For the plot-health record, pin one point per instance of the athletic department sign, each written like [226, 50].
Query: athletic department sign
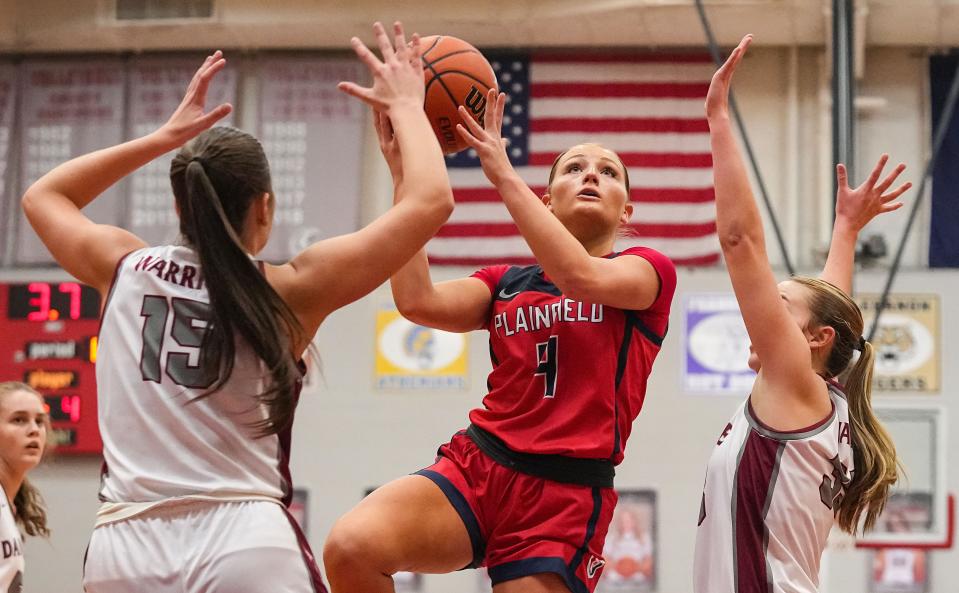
[716, 345]
[410, 356]
[906, 342]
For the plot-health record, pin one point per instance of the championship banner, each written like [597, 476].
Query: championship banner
[716, 345]
[630, 550]
[313, 136]
[157, 86]
[69, 108]
[410, 356]
[906, 342]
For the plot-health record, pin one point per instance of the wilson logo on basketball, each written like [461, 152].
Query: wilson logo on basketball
[476, 103]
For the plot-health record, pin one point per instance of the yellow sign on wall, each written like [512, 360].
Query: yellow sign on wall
[906, 342]
[410, 356]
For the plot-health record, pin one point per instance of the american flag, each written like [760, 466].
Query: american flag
[646, 107]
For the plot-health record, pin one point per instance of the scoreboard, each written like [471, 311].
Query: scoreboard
[48, 340]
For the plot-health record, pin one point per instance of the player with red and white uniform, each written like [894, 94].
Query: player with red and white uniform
[527, 489]
[200, 361]
[800, 453]
[569, 377]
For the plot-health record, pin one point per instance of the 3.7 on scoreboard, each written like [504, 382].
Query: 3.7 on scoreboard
[48, 339]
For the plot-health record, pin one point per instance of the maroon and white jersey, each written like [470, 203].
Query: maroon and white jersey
[159, 440]
[767, 505]
[568, 377]
[11, 543]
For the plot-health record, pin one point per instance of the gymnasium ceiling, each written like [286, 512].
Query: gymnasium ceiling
[85, 25]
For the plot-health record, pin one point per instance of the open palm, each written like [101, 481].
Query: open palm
[191, 117]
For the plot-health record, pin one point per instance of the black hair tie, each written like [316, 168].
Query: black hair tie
[862, 344]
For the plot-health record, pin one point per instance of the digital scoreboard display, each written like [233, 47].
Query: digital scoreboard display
[48, 340]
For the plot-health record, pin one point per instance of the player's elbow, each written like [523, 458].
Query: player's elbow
[413, 306]
[32, 204]
[433, 202]
[577, 285]
[410, 309]
[443, 203]
[28, 203]
[735, 240]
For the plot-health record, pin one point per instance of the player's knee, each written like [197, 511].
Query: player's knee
[349, 547]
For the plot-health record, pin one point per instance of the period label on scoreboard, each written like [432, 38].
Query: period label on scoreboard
[50, 343]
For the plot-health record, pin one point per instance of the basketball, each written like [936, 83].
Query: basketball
[627, 566]
[456, 73]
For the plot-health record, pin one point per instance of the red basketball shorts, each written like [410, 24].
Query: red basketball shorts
[522, 525]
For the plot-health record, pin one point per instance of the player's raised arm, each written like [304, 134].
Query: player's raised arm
[854, 209]
[337, 271]
[90, 251]
[456, 305]
[570, 244]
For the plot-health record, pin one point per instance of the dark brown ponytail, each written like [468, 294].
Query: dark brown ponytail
[216, 177]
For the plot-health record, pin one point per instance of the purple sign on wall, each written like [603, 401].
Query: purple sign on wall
[716, 345]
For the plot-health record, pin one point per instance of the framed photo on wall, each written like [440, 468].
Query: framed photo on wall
[631, 545]
[899, 570]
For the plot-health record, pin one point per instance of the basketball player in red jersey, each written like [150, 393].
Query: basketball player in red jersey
[802, 452]
[200, 366]
[527, 489]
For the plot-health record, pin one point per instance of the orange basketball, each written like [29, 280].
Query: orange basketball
[456, 73]
[626, 566]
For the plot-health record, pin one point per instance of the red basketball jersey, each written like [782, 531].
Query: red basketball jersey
[568, 377]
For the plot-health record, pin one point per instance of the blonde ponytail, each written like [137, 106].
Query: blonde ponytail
[876, 465]
[874, 454]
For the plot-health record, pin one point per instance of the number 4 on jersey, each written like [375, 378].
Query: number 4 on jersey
[546, 364]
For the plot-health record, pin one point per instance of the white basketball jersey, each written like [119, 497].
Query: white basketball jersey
[159, 440]
[11, 546]
[768, 501]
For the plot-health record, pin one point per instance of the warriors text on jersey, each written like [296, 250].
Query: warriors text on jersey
[11, 549]
[568, 377]
[767, 505]
[159, 440]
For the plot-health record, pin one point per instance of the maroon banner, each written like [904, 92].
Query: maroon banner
[312, 134]
[68, 109]
[156, 88]
[8, 204]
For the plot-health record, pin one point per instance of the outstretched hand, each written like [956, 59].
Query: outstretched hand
[189, 119]
[857, 206]
[398, 78]
[487, 140]
[717, 98]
